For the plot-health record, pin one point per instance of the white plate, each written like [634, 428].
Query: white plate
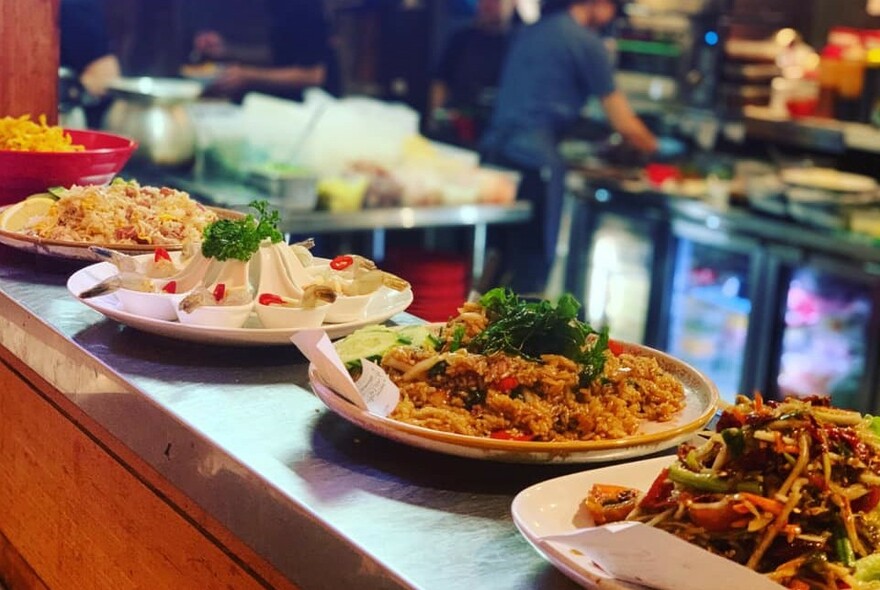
[553, 507]
[386, 304]
[80, 250]
[701, 397]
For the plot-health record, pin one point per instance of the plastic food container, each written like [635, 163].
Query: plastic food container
[294, 188]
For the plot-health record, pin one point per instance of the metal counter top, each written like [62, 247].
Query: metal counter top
[238, 431]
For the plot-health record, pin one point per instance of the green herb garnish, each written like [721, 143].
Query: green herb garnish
[531, 329]
[240, 238]
[457, 336]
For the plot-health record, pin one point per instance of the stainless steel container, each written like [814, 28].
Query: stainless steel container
[152, 111]
[294, 189]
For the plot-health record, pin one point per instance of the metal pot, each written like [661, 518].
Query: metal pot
[153, 112]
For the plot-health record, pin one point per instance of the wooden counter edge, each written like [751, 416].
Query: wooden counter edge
[263, 573]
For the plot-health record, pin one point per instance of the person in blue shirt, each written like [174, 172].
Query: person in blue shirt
[553, 67]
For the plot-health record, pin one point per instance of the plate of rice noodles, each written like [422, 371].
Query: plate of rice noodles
[122, 216]
[513, 380]
[789, 489]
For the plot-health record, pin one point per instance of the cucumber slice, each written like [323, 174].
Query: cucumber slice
[415, 335]
[366, 343]
[868, 570]
[56, 191]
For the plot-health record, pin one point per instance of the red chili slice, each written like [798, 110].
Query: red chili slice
[161, 254]
[219, 292]
[659, 492]
[341, 262]
[508, 383]
[170, 287]
[615, 347]
[270, 299]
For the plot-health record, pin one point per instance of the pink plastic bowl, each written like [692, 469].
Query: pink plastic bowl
[26, 173]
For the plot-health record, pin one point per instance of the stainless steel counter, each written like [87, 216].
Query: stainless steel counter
[239, 432]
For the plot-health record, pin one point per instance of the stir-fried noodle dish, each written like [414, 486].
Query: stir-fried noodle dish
[123, 213]
[510, 369]
[790, 489]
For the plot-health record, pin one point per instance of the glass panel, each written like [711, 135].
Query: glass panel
[709, 316]
[619, 280]
[825, 339]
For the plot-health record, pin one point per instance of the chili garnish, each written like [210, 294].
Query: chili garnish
[508, 383]
[341, 262]
[170, 287]
[161, 254]
[270, 299]
[219, 292]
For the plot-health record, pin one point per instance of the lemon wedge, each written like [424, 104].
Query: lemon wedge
[18, 216]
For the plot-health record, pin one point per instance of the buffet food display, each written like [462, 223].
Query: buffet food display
[788, 489]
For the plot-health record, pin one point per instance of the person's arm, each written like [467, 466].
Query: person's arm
[99, 74]
[239, 78]
[627, 123]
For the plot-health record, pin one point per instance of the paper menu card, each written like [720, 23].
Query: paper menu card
[373, 391]
[651, 557]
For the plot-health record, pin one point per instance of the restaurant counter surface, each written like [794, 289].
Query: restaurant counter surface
[239, 432]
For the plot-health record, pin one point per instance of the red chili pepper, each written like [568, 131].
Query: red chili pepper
[615, 347]
[270, 299]
[161, 254]
[507, 435]
[508, 383]
[659, 492]
[341, 262]
[170, 287]
[219, 292]
[868, 502]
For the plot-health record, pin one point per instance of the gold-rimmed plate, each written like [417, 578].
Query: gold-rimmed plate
[80, 250]
[701, 399]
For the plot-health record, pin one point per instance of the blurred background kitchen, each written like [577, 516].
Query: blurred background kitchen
[747, 244]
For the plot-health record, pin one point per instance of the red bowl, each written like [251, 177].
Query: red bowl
[26, 173]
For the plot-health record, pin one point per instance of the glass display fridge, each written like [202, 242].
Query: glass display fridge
[710, 305]
[615, 275]
[827, 344]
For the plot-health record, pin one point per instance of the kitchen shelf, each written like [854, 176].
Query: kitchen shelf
[824, 135]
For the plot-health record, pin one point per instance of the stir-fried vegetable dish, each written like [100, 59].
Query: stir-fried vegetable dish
[790, 489]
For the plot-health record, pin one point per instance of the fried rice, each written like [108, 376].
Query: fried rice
[123, 213]
[504, 396]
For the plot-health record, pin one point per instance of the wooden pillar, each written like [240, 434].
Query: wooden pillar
[29, 54]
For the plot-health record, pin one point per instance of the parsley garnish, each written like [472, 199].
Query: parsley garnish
[240, 238]
[531, 329]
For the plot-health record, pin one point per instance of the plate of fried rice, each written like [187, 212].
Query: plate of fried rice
[509, 380]
[122, 216]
